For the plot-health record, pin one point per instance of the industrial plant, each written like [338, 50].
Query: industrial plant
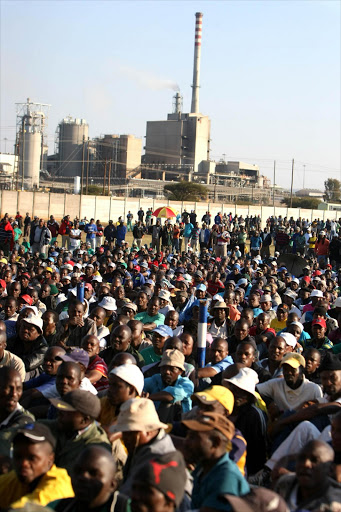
[176, 148]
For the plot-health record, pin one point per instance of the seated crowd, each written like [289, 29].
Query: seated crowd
[104, 407]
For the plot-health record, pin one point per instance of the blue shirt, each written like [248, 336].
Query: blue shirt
[188, 230]
[224, 478]
[90, 230]
[181, 391]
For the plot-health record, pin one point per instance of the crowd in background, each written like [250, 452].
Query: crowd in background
[103, 405]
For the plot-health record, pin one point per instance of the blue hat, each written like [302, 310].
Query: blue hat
[281, 269]
[55, 254]
[51, 259]
[201, 287]
[236, 266]
[163, 330]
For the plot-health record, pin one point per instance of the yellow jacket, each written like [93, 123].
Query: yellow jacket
[54, 485]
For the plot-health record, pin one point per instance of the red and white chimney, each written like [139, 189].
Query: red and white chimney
[196, 67]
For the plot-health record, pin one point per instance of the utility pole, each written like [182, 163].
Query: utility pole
[105, 175]
[292, 181]
[273, 190]
[110, 162]
[87, 167]
[303, 176]
[82, 173]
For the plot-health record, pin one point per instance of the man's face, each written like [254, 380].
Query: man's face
[277, 349]
[67, 379]
[219, 314]
[146, 498]
[10, 308]
[153, 307]
[318, 331]
[254, 301]
[312, 361]
[119, 391]
[198, 446]
[71, 421]
[266, 306]
[331, 382]
[10, 393]
[49, 325]
[45, 291]
[170, 374]
[51, 361]
[76, 311]
[245, 354]
[218, 352]
[241, 331]
[311, 468]
[172, 319]
[92, 480]
[120, 339]
[30, 461]
[142, 300]
[91, 345]
[158, 342]
[291, 375]
[187, 344]
[28, 332]
[15, 290]
[98, 315]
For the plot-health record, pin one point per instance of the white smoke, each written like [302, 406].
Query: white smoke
[148, 80]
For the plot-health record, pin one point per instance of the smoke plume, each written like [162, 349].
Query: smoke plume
[148, 80]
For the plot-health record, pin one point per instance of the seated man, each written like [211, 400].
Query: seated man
[219, 361]
[97, 370]
[12, 414]
[221, 326]
[151, 318]
[169, 387]
[311, 488]
[160, 484]
[35, 478]
[215, 474]
[93, 493]
[292, 391]
[72, 330]
[119, 341]
[153, 353]
[75, 426]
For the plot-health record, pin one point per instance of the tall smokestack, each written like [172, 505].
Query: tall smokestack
[196, 67]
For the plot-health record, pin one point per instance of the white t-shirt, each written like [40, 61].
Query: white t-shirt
[287, 398]
[73, 242]
[85, 385]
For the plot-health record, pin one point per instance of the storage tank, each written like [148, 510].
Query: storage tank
[30, 155]
[71, 134]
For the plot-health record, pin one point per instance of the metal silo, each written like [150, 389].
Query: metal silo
[30, 142]
[72, 132]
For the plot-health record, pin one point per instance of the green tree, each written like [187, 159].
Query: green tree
[309, 203]
[185, 191]
[332, 191]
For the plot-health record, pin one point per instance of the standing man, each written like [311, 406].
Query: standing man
[110, 232]
[27, 225]
[156, 232]
[121, 233]
[18, 218]
[138, 233]
[99, 233]
[40, 237]
[54, 228]
[6, 236]
[140, 214]
[64, 230]
[91, 230]
[187, 232]
[130, 217]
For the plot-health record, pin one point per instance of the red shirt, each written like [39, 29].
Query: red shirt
[100, 366]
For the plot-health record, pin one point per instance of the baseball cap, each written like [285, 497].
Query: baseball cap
[319, 321]
[173, 357]
[316, 293]
[217, 394]
[137, 415]
[77, 355]
[131, 374]
[291, 294]
[167, 473]
[293, 359]
[36, 321]
[266, 298]
[108, 303]
[79, 400]
[36, 433]
[27, 299]
[201, 287]
[211, 421]
[288, 338]
[163, 330]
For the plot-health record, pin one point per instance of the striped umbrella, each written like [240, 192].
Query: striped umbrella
[165, 212]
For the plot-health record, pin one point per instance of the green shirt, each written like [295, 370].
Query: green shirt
[149, 355]
[17, 234]
[158, 319]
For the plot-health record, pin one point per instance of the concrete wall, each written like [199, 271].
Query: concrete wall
[105, 207]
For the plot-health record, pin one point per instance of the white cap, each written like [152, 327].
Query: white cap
[266, 298]
[108, 303]
[295, 280]
[246, 379]
[164, 294]
[291, 294]
[97, 278]
[316, 293]
[289, 339]
[218, 298]
[36, 321]
[242, 281]
[131, 374]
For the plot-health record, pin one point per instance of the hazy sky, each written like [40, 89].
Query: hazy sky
[270, 73]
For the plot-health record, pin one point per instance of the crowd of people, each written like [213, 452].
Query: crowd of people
[103, 404]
